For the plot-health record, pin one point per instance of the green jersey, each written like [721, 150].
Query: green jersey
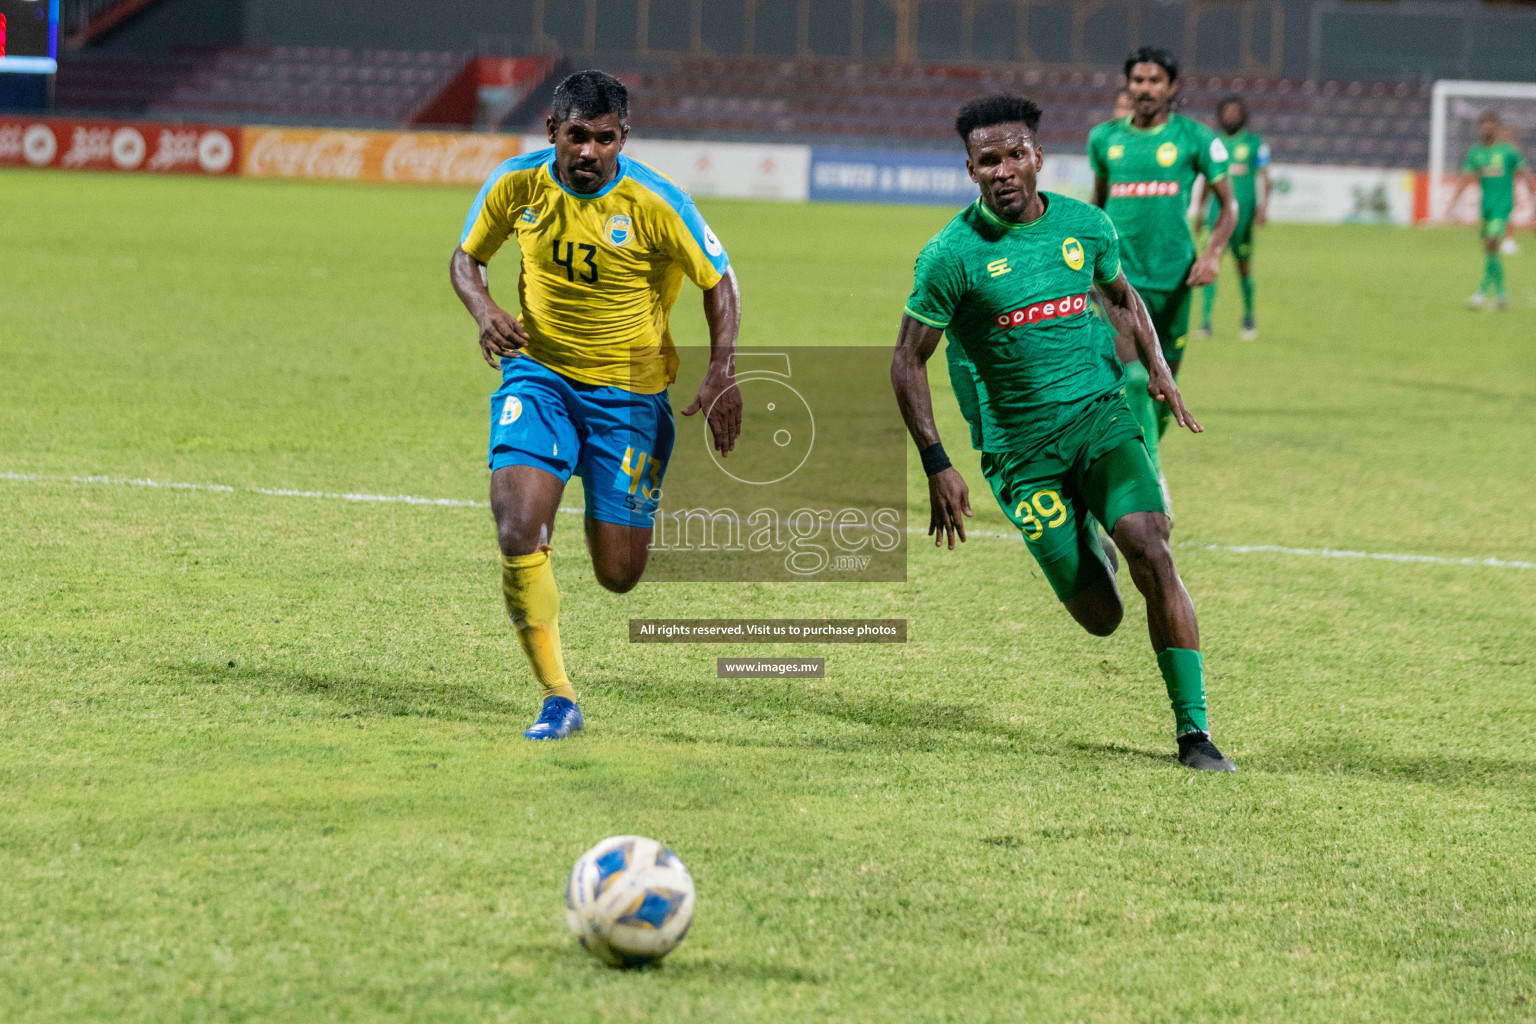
[1249, 156]
[1496, 167]
[1151, 174]
[1027, 354]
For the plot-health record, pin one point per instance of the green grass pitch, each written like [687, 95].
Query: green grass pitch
[260, 755]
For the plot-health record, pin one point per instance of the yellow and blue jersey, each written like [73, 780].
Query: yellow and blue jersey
[600, 271]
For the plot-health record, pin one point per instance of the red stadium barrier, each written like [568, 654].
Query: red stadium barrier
[65, 144]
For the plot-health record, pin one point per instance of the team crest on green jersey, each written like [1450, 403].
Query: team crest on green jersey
[618, 229]
[1116, 152]
[1167, 154]
[1072, 252]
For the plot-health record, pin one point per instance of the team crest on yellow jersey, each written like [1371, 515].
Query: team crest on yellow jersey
[618, 229]
[1072, 252]
[1167, 153]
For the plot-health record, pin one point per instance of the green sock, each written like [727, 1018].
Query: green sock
[1184, 673]
[1142, 406]
[1247, 286]
[1207, 300]
[1496, 272]
[1491, 269]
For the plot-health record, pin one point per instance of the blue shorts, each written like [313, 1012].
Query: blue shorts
[618, 442]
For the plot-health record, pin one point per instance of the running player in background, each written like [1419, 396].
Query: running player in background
[1493, 166]
[1248, 171]
[1144, 168]
[1037, 377]
[604, 244]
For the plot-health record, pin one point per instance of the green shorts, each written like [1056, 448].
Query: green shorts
[1494, 227]
[1241, 242]
[1096, 472]
[1170, 316]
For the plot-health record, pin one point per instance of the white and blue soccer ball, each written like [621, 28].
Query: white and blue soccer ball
[629, 901]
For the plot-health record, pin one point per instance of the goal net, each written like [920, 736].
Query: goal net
[1455, 108]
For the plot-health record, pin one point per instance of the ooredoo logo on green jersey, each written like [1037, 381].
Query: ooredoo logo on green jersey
[1067, 305]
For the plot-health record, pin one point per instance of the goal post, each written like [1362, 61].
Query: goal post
[1455, 107]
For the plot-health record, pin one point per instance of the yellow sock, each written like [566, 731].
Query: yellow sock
[533, 603]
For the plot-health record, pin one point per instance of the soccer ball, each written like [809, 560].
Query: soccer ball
[629, 901]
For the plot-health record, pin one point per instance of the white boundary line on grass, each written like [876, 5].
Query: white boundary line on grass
[407, 499]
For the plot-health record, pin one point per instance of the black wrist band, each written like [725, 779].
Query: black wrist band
[934, 459]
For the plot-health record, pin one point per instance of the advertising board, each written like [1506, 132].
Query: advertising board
[436, 158]
[725, 170]
[66, 144]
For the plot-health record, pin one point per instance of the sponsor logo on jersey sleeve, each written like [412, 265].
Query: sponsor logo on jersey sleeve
[1072, 252]
[1167, 153]
[711, 243]
[618, 229]
[1218, 151]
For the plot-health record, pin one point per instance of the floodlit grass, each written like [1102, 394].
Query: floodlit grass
[260, 755]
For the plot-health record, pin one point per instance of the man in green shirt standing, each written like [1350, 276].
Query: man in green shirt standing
[1037, 377]
[1144, 168]
[1495, 165]
[1248, 171]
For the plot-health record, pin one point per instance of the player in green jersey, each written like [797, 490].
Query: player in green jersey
[1038, 379]
[1248, 171]
[1495, 165]
[1144, 167]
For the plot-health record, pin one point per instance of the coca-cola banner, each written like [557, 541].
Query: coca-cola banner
[118, 146]
[413, 157]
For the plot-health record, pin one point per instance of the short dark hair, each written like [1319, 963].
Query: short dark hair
[1488, 115]
[589, 95]
[1004, 108]
[1229, 99]
[1154, 55]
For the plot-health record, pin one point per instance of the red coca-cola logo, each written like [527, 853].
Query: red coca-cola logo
[1051, 309]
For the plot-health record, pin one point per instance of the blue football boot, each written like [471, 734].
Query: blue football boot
[557, 719]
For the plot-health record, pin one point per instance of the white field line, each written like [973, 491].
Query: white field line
[407, 499]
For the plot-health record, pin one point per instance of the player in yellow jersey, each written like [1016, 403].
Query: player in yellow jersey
[604, 243]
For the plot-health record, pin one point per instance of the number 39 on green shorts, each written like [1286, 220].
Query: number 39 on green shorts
[1095, 471]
